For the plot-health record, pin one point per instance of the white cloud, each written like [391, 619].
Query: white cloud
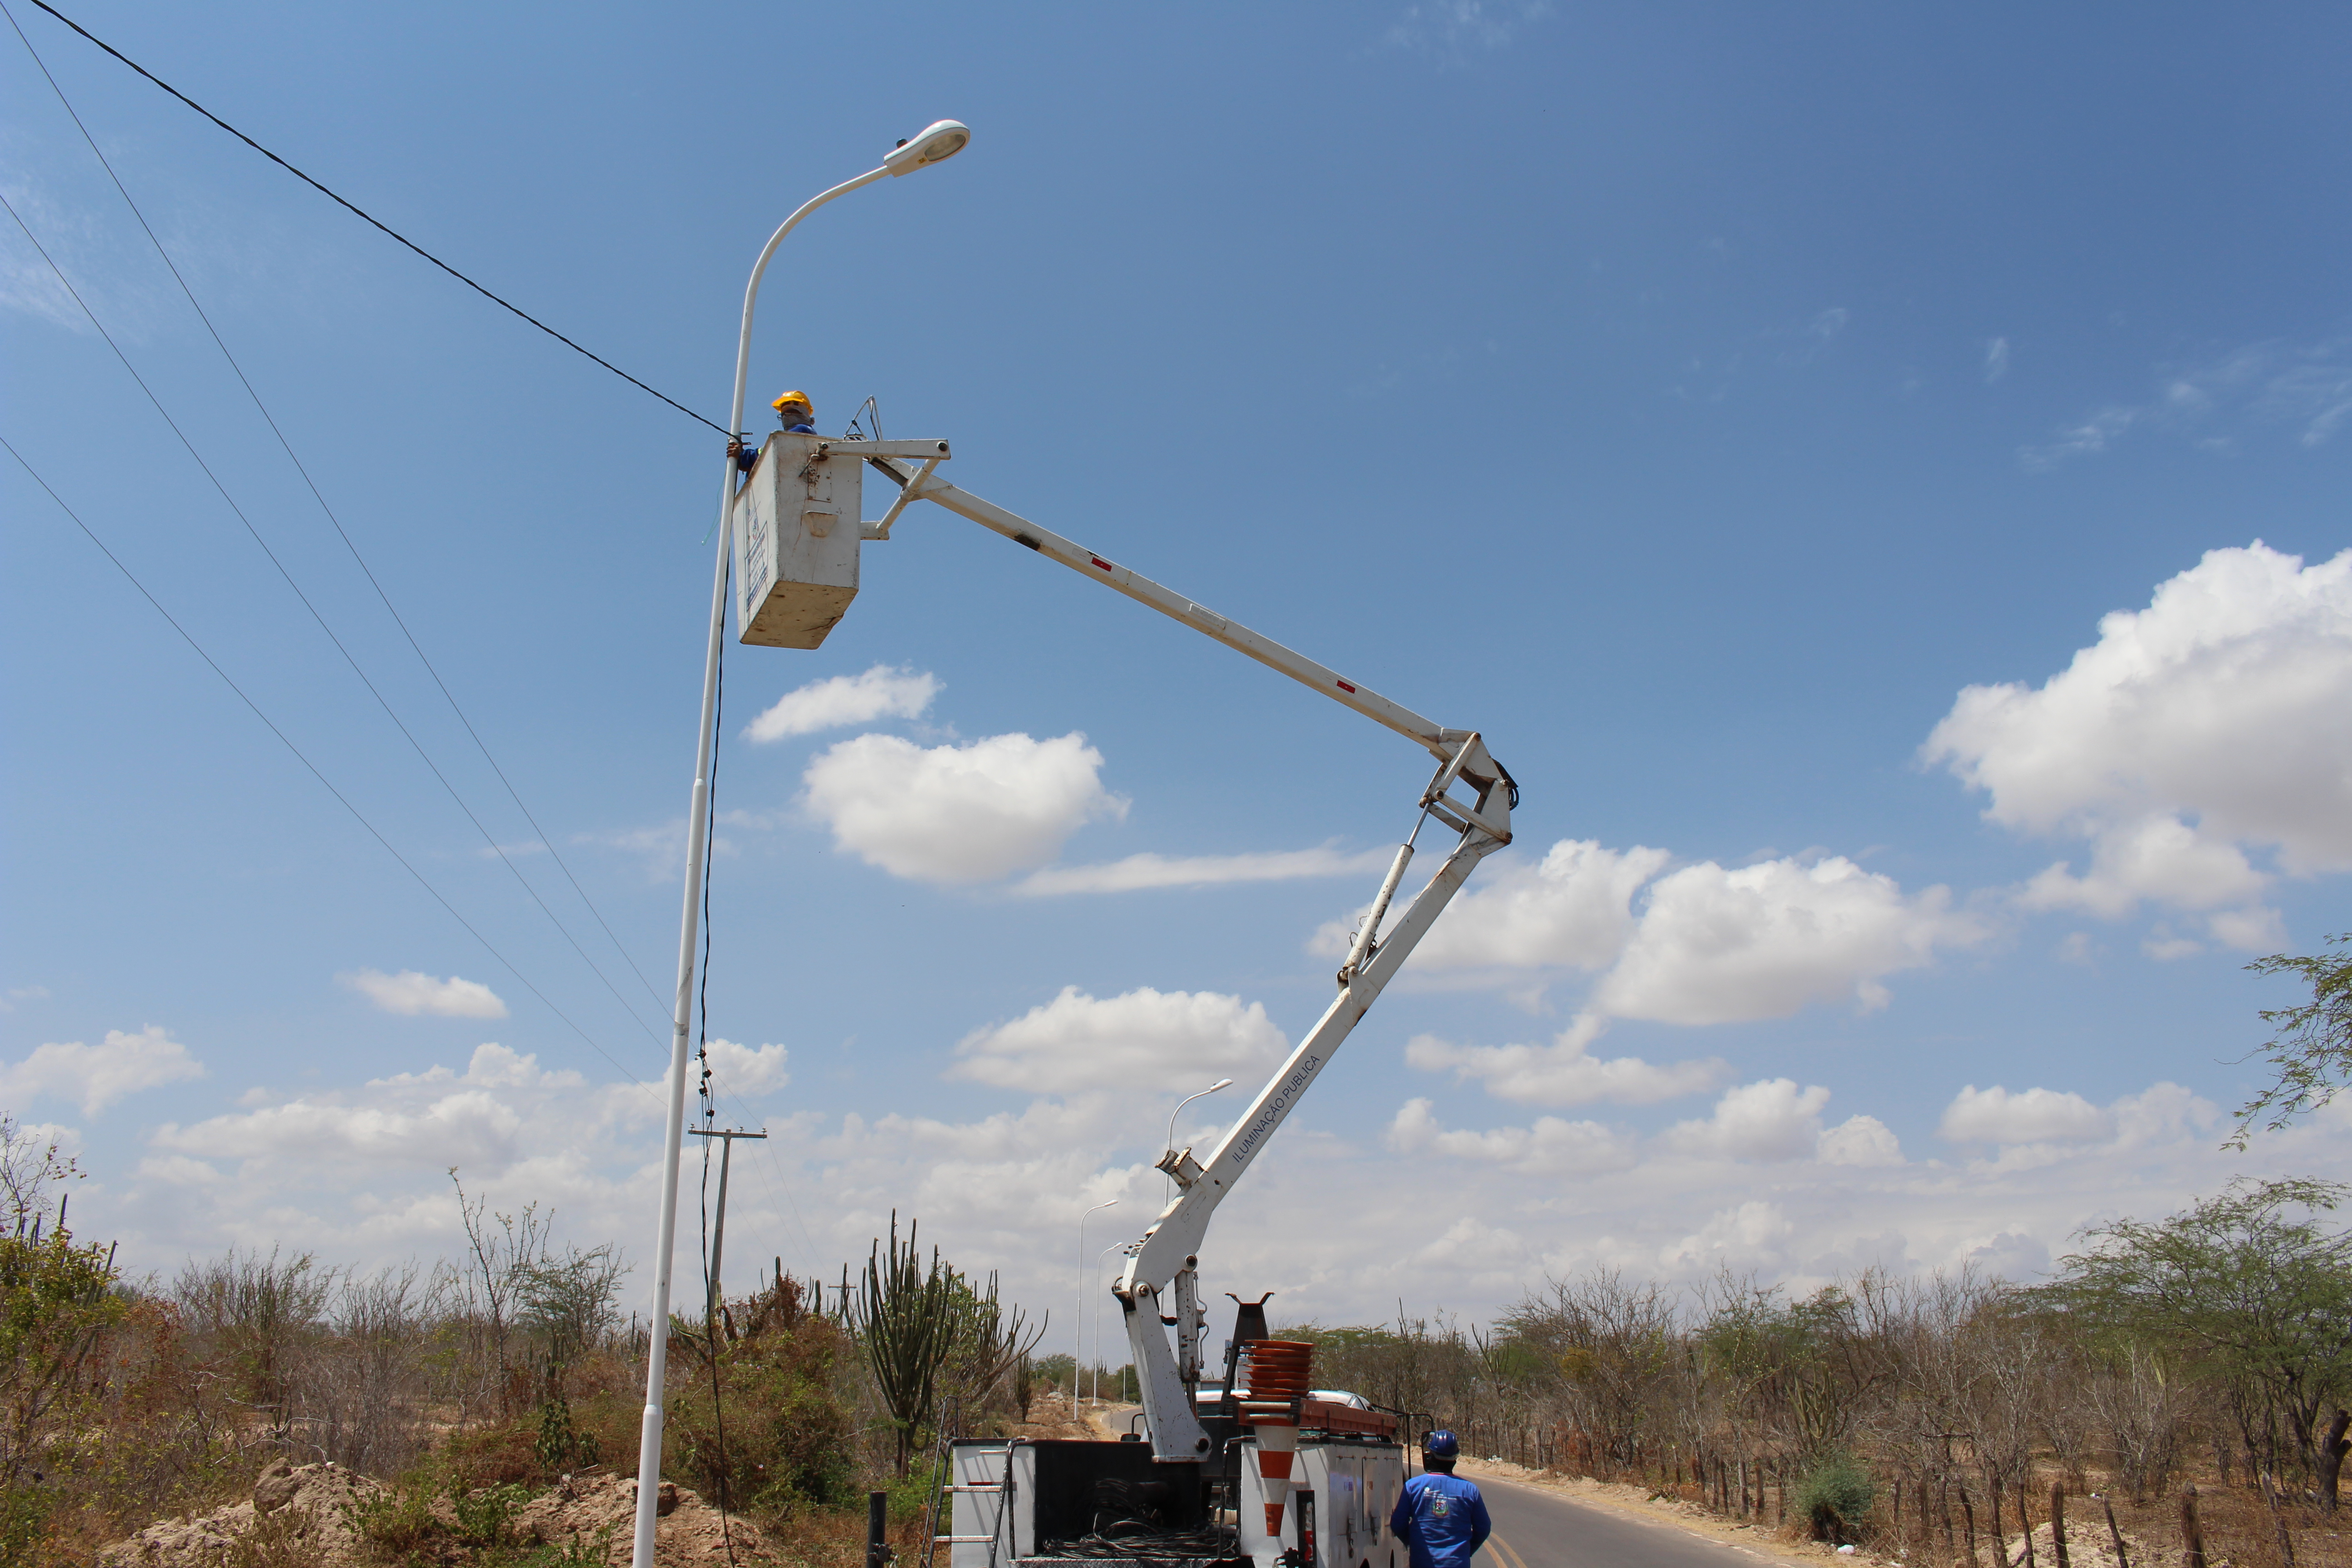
[2032, 1116]
[1714, 946]
[1551, 1147]
[1148, 870]
[410, 992]
[464, 1128]
[1142, 1040]
[957, 814]
[1996, 359]
[2304, 387]
[95, 1076]
[880, 693]
[1860, 1141]
[1572, 909]
[1444, 27]
[2202, 727]
[1755, 1236]
[1564, 1072]
[1768, 1119]
[22, 994]
[749, 1070]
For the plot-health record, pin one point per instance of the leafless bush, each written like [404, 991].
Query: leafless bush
[363, 1383]
[252, 1317]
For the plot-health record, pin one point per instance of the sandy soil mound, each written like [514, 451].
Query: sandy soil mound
[582, 1508]
[310, 1504]
[304, 1513]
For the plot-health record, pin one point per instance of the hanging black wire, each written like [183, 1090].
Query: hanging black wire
[545, 838]
[711, 1306]
[340, 799]
[350, 207]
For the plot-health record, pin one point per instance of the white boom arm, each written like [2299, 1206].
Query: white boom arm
[1169, 1255]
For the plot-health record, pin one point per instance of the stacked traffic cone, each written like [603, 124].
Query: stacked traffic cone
[1279, 1373]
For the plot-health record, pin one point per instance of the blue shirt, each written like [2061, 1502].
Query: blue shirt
[1443, 1519]
[749, 457]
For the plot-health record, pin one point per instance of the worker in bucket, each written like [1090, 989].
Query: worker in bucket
[794, 411]
[1441, 1517]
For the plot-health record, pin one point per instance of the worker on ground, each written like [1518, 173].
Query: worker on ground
[793, 412]
[1441, 1518]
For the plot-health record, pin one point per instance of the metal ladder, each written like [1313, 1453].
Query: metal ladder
[1003, 1489]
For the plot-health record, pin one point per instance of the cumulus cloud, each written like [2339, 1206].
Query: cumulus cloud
[1135, 872]
[2031, 1116]
[1768, 1119]
[1754, 1235]
[749, 1070]
[881, 692]
[1709, 945]
[1572, 909]
[1565, 1072]
[1551, 1147]
[410, 992]
[1141, 1039]
[95, 1076]
[2208, 724]
[1715, 946]
[1860, 1141]
[957, 814]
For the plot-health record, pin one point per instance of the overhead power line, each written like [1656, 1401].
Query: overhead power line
[340, 798]
[544, 837]
[398, 723]
[370, 218]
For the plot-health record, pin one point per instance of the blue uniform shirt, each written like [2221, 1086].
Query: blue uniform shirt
[749, 457]
[1443, 1519]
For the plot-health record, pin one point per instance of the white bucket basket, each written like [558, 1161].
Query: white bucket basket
[796, 536]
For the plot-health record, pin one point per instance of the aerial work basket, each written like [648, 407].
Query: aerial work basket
[796, 536]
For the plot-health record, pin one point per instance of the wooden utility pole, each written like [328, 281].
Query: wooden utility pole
[719, 1226]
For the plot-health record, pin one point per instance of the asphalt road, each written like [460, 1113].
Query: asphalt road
[1535, 1528]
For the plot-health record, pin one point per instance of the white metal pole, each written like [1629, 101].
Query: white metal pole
[1099, 1294]
[1078, 1318]
[697, 833]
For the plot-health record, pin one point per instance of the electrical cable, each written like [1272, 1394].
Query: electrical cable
[348, 207]
[710, 1284]
[340, 799]
[341, 532]
[316, 615]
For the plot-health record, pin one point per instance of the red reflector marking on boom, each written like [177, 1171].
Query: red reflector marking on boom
[1099, 561]
[1348, 688]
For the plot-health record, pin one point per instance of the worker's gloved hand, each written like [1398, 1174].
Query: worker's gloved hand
[734, 445]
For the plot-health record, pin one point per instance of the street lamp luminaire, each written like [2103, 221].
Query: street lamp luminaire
[936, 144]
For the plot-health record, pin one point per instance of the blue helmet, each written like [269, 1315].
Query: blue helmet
[1441, 1445]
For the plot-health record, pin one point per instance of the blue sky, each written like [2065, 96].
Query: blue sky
[1697, 400]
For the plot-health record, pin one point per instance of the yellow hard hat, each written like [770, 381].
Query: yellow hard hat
[800, 398]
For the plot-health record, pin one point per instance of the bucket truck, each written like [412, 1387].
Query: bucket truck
[1194, 1489]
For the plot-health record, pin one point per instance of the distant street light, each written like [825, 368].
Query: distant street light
[935, 143]
[1130, 1247]
[1220, 1083]
[1079, 1325]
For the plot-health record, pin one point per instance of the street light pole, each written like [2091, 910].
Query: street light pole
[1220, 1083]
[1078, 1318]
[1099, 1294]
[937, 143]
